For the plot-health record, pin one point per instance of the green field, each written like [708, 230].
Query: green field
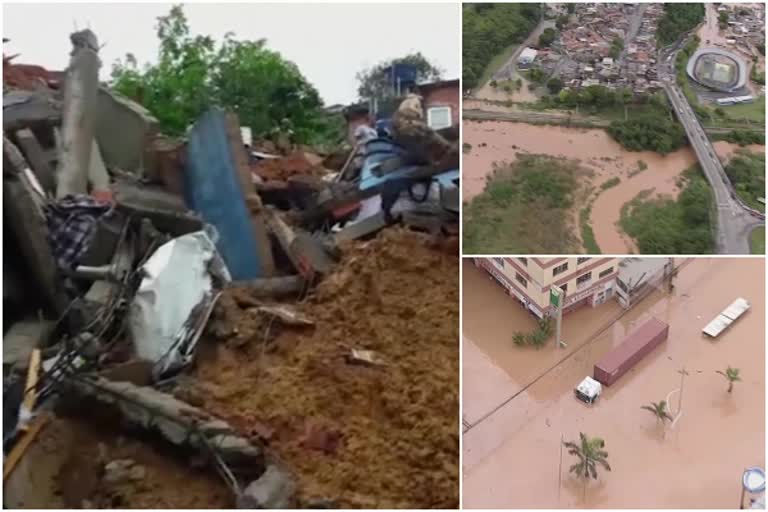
[757, 241]
[752, 111]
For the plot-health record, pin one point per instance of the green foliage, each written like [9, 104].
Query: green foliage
[722, 19]
[590, 452]
[587, 233]
[616, 47]
[641, 166]
[192, 74]
[651, 131]
[746, 171]
[554, 85]
[597, 96]
[536, 338]
[524, 209]
[659, 410]
[678, 18]
[536, 75]
[610, 183]
[757, 240]
[376, 82]
[547, 37]
[756, 76]
[665, 226]
[487, 29]
[732, 375]
[741, 137]
[562, 21]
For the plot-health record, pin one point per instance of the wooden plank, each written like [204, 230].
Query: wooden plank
[21, 447]
[30, 390]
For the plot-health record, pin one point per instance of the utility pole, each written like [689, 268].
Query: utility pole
[557, 299]
[682, 373]
[560, 471]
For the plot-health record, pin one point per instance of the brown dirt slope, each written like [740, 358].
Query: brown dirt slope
[397, 424]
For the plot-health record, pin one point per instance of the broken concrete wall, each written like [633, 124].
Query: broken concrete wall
[123, 130]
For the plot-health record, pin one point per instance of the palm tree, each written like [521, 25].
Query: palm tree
[732, 374]
[590, 453]
[659, 409]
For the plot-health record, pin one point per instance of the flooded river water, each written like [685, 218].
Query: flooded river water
[498, 141]
[518, 403]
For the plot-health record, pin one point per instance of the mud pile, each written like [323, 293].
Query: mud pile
[74, 459]
[280, 169]
[354, 435]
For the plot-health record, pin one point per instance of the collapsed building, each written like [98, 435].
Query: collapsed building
[204, 322]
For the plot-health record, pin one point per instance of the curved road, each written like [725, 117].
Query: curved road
[735, 221]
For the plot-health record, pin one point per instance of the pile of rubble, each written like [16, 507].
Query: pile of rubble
[253, 328]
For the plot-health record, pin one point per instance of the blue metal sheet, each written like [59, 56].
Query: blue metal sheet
[212, 188]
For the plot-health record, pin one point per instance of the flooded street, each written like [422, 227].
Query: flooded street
[518, 402]
[594, 149]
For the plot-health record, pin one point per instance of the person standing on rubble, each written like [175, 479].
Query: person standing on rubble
[422, 142]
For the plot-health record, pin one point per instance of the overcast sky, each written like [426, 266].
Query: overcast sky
[329, 42]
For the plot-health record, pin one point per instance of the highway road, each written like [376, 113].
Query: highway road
[735, 221]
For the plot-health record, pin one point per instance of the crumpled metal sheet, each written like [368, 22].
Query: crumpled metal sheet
[181, 283]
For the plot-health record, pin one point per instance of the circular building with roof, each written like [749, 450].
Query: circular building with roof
[717, 69]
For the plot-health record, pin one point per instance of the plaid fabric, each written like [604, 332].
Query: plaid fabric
[72, 223]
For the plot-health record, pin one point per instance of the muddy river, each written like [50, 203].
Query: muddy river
[518, 403]
[593, 148]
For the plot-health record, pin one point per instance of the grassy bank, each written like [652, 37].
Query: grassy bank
[746, 170]
[525, 208]
[757, 241]
[662, 225]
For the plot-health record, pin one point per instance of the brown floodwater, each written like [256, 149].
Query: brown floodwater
[594, 149]
[519, 402]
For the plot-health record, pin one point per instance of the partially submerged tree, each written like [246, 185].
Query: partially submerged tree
[732, 374]
[590, 452]
[659, 410]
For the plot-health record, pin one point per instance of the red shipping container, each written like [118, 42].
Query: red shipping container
[635, 346]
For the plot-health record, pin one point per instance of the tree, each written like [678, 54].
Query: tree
[722, 19]
[487, 29]
[547, 37]
[554, 85]
[376, 82]
[562, 21]
[571, 8]
[192, 74]
[494, 83]
[659, 409]
[732, 374]
[590, 453]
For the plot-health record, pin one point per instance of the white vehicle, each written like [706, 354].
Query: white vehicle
[726, 317]
[588, 390]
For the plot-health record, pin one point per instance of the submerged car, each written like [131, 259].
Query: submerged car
[588, 390]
